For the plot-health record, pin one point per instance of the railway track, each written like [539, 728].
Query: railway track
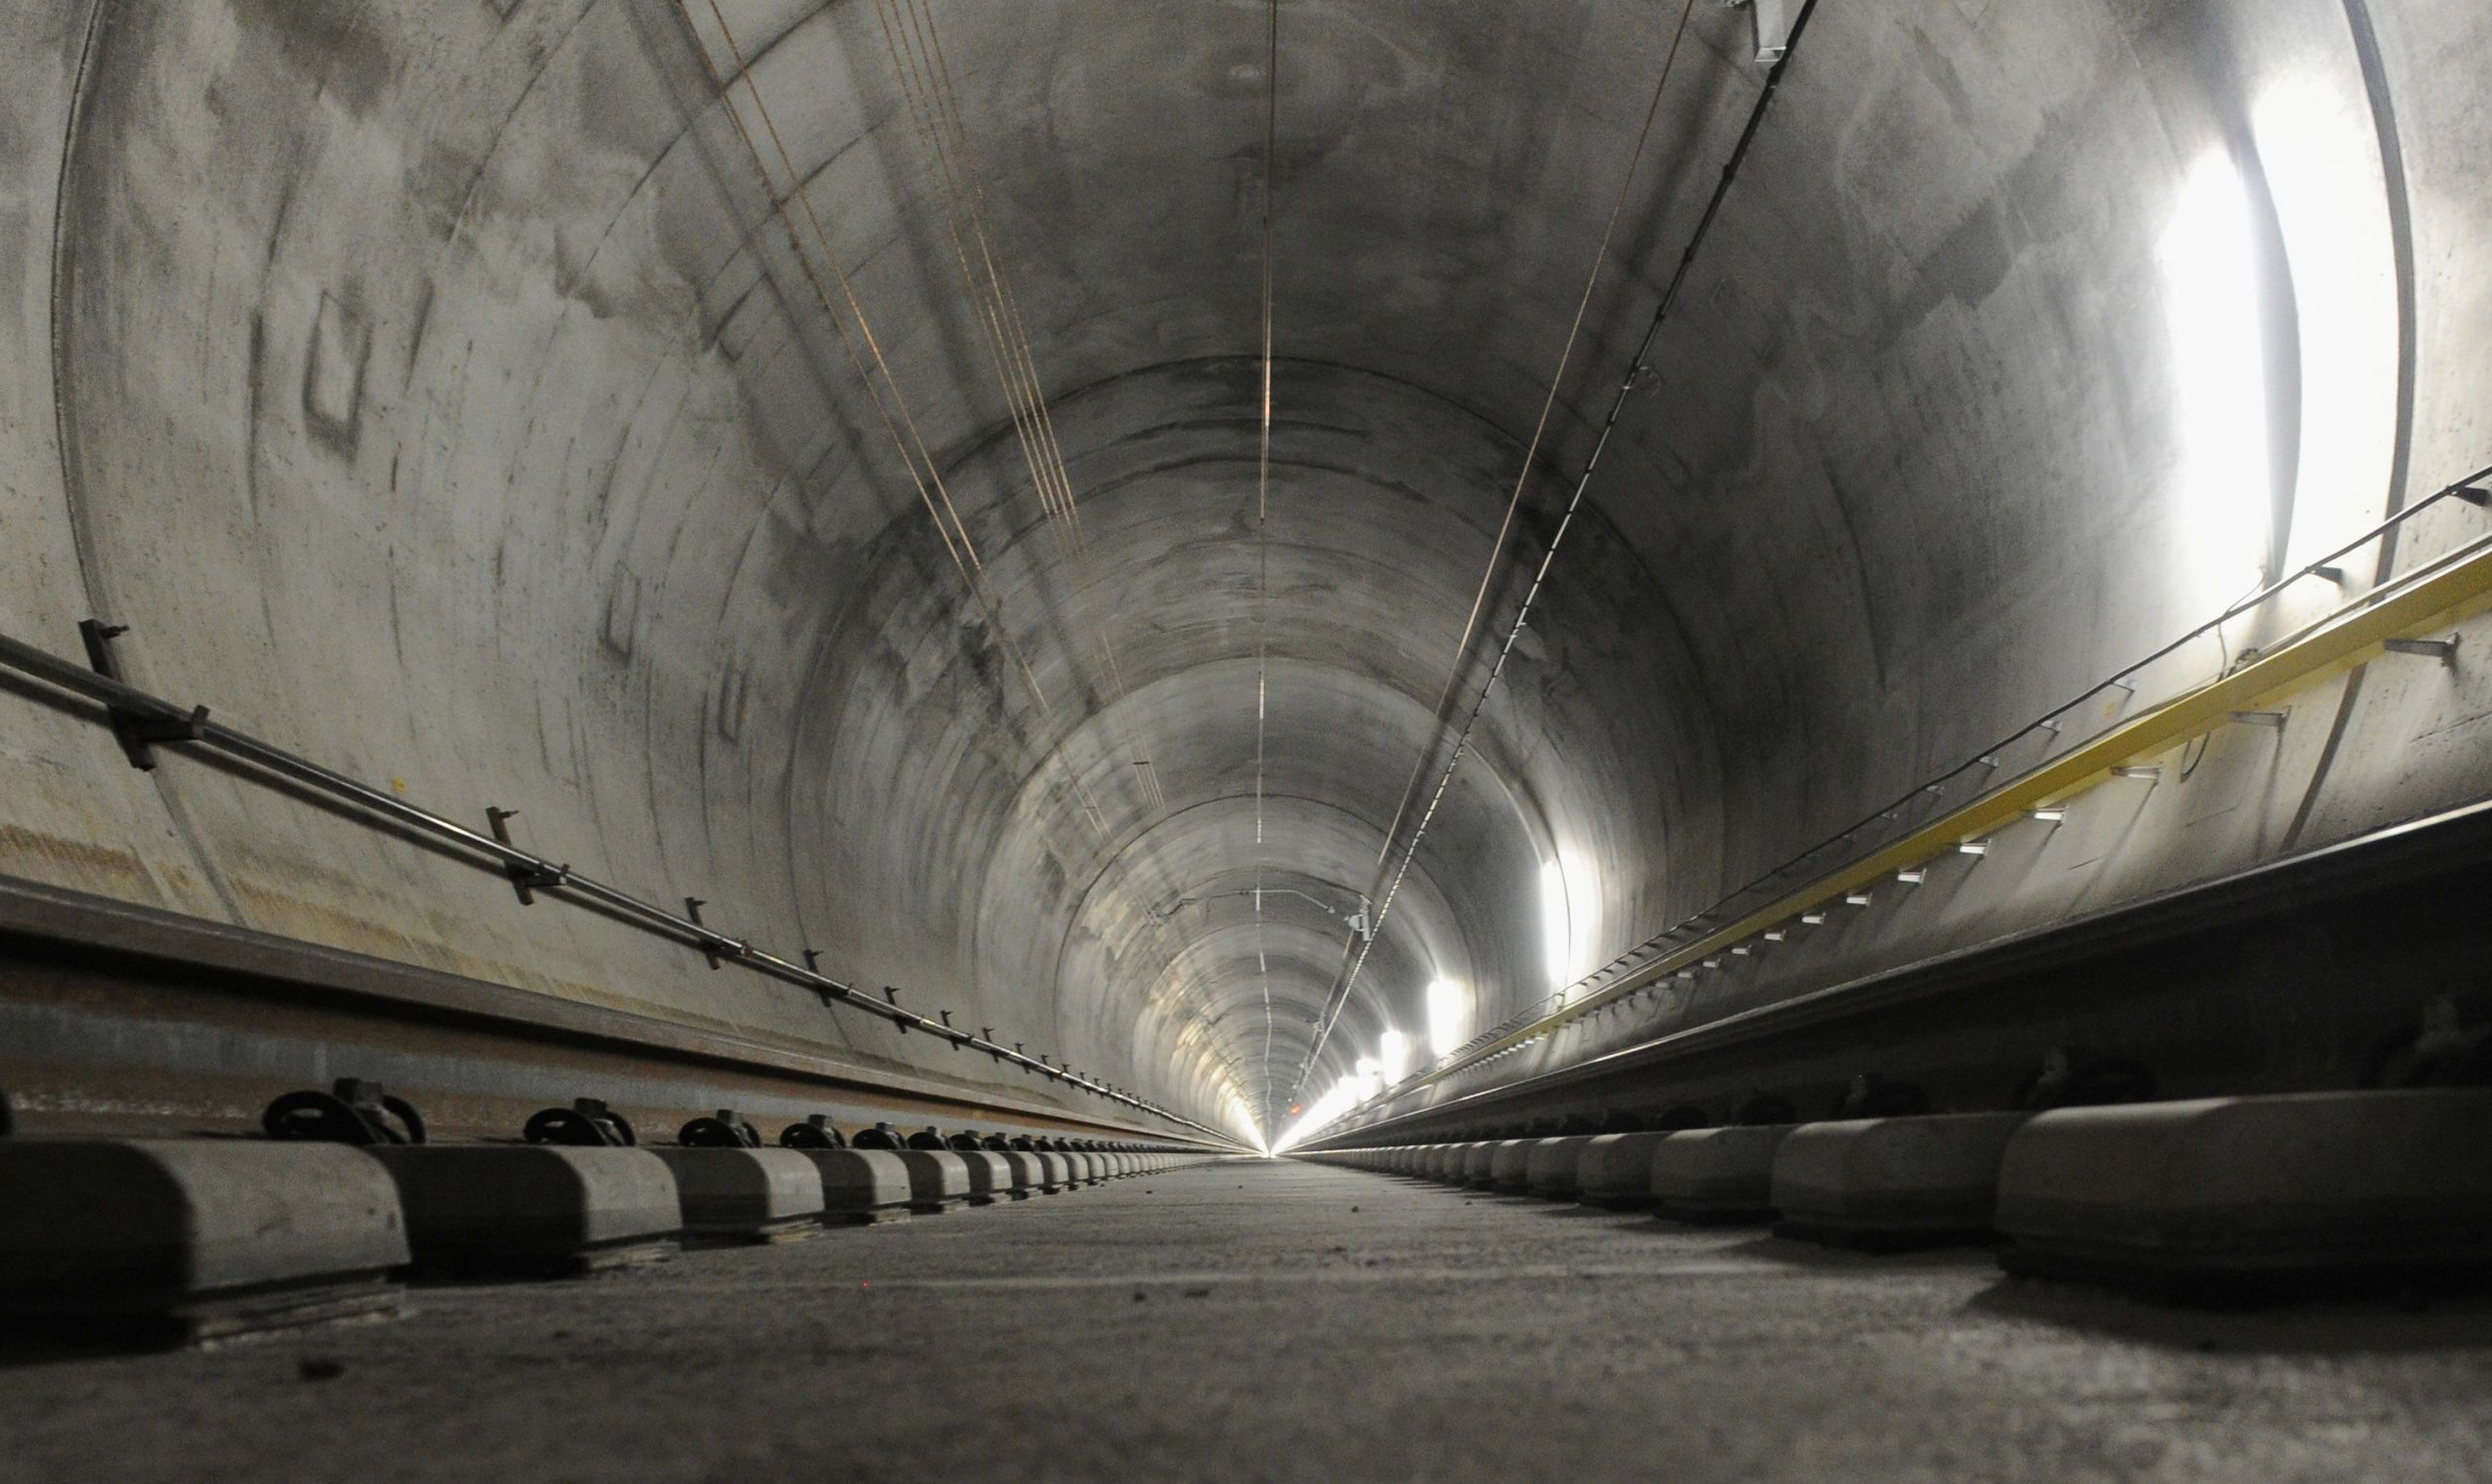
[2307, 974]
[118, 1018]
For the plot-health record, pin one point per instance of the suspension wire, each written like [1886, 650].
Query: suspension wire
[924, 73]
[1636, 367]
[917, 90]
[913, 452]
[1263, 522]
[911, 38]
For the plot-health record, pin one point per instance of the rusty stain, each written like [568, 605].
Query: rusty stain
[29, 852]
[291, 916]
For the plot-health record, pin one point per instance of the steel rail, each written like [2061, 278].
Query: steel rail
[177, 725]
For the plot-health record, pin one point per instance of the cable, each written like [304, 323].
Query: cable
[1263, 521]
[1496, 555]
[913, 43]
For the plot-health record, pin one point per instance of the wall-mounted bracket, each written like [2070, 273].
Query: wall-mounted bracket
[527, 879]
[138, 731]
[2443, 650]
[692, 906]
[831, 995]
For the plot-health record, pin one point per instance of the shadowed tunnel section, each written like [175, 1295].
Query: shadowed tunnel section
[443, 390]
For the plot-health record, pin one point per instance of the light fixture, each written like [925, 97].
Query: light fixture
[1557, 929]
[1446, 1015]
[2319, 146]
[2218, 359]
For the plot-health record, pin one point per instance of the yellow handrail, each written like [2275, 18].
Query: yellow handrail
[2443, 592]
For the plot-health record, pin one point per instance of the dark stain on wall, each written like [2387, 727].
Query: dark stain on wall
[735, 690]
[622, 615]
[333, 373]
[332, 40]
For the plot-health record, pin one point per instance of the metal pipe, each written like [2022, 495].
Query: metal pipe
[555, 876]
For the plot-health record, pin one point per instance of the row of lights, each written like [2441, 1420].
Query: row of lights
[2312, 160]
[1448, 1016]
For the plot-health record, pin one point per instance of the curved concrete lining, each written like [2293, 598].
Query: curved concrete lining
[436, 390]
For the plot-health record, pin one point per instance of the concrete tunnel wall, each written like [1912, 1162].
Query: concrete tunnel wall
[432, 388]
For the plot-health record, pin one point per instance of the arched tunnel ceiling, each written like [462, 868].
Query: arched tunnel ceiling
[1130, 210]
[611, 400]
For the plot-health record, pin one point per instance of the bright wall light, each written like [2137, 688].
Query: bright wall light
[2210, 276]
[1449, 1018]
[2321, 154]
[1556, 926]
[1393, 1056]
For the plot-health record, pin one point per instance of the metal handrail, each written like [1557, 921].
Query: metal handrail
[157, 722]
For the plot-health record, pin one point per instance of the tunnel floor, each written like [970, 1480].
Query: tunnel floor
[1261, 1320]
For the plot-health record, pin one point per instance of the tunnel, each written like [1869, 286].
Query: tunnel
[1341, 580]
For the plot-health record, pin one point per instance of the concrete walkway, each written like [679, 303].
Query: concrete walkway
[1279, 1320]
